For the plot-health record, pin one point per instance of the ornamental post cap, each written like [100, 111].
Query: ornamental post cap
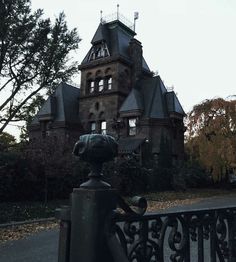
[96, 149]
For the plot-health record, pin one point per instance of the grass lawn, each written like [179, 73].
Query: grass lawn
[157, 200]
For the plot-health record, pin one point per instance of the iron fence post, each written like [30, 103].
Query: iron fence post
[232, 237]
[90, 209]
[93, 202]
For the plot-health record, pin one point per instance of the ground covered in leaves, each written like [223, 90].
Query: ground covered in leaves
[25, 211]
[18, 232]
[162, 200]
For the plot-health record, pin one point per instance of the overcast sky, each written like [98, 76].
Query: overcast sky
[191, 43]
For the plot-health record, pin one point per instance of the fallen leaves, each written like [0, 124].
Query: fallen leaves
[18, 232]
[154, 206]
[156, 201]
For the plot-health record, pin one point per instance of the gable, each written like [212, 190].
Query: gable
[61, 106]
[152, 99]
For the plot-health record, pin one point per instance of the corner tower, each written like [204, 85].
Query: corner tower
[108, 73]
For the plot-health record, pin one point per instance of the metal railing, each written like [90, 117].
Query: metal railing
[117, 17]
[199, 235]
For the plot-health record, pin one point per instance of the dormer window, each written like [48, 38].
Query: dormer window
[98, 51]
[100, 85]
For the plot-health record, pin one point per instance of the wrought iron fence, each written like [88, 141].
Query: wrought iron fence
[199, 235]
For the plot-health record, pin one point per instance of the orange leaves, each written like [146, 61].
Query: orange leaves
[211, 136]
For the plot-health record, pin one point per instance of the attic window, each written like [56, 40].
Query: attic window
[132, 126]
[98, 51]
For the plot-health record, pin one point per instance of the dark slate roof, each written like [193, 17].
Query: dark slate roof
[100, 35]
[66, 105]
[133, 102]
[153, 92]
[49, 107]
[145, 65]
[173, 103]
[117, 36]
[151, 97]
[129, 144]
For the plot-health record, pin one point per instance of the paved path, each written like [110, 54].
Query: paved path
[39, 247]
[42, 247]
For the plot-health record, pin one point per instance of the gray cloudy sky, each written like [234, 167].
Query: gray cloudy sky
[191, 43]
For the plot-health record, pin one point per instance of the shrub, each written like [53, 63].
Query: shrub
[127, 176]
[195, 176]
[14, 182]
[60, 187]
[160, 179]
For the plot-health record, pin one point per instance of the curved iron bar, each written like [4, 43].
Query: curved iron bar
[117, 241]
[222, 224]
[143, 237]
[140, 204]
[143, 251]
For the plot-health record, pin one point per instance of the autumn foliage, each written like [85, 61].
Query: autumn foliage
[211, 136]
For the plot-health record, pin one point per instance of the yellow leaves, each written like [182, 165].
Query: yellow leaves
[212, 135]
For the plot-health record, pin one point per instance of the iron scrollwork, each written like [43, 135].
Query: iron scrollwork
[134, 236]
[168, 237]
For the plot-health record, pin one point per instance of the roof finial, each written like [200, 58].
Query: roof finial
[101, 16]
[117, 12]
[136, 14]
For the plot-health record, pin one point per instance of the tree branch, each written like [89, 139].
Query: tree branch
[15, 111]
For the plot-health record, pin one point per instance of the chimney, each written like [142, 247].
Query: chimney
[136, 54]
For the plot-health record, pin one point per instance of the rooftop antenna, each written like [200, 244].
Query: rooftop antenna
[136, 14]
[117, 12]
[101, 16]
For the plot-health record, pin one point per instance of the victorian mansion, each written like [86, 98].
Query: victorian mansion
[118, 95]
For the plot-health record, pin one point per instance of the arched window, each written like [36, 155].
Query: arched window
[91, 86]
[93, 127]
[98, 73]
[100, 85]
[109, 83]
[103, 127]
